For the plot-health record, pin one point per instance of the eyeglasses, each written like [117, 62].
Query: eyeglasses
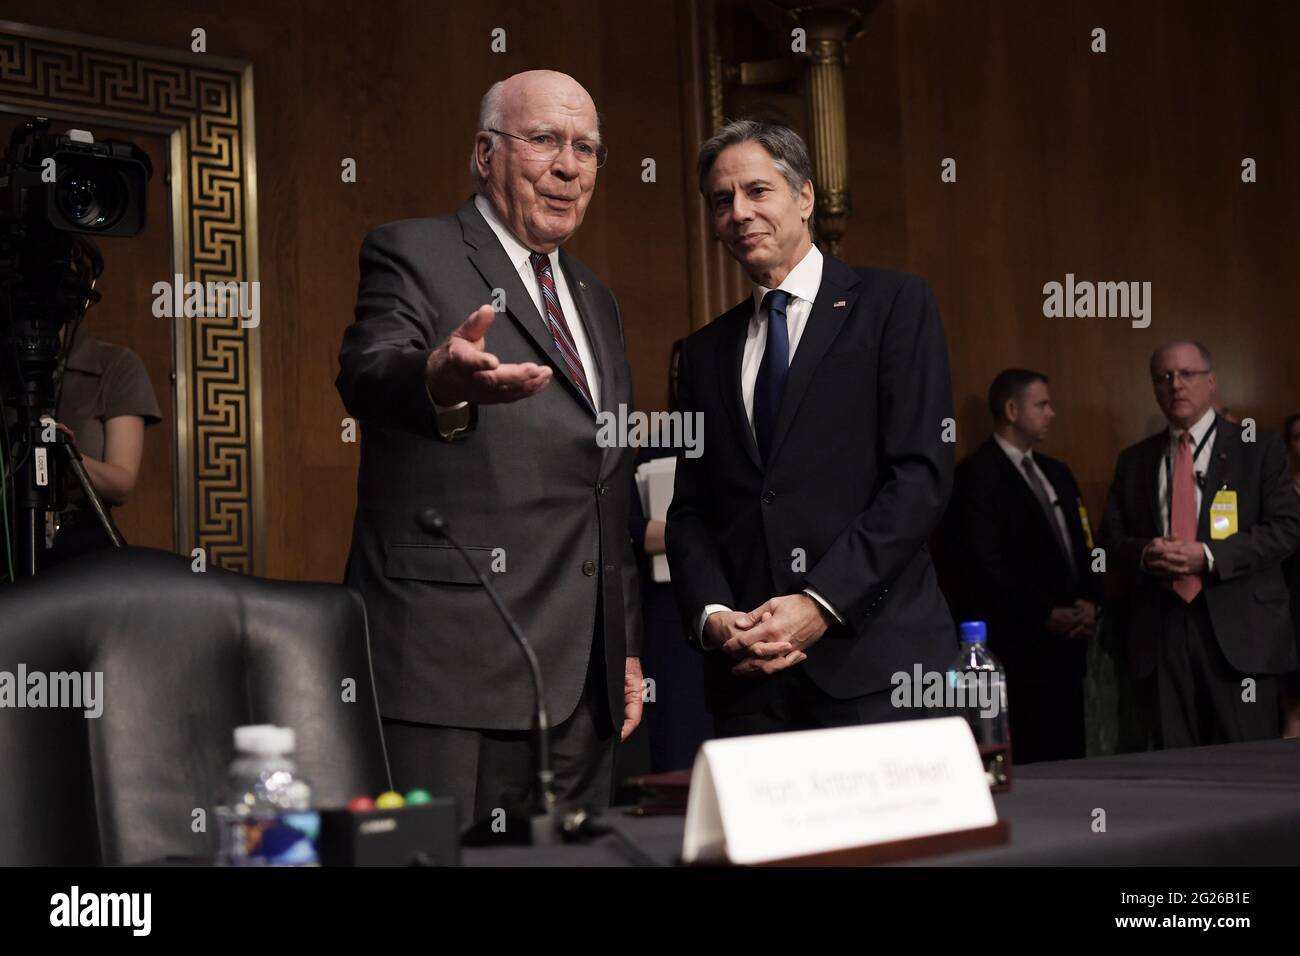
[545, 147]
[1186, 375]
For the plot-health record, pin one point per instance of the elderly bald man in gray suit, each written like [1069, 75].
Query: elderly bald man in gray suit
[492, 419]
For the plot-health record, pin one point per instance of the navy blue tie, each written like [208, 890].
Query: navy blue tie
[772, 371]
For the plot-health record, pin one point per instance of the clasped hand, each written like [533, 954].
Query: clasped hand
[1075, 621]
[1170, 557]
[770, 638]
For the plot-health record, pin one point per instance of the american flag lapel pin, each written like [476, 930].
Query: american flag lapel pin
[840, 304]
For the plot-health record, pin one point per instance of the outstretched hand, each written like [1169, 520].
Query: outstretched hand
[461, 369]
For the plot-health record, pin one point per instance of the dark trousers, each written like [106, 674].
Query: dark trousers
[1046, 719]
[677, 720]
[490, 770]
[799, 704]
[1194, 697]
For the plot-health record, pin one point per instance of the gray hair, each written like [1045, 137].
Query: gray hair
[489, 117]
[1205, 353]
[785, 146]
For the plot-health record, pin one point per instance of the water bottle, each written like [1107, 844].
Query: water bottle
[977, 689]
[267, 818]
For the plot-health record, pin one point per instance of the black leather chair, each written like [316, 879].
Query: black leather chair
[186, 657]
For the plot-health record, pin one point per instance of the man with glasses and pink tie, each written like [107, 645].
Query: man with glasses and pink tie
[1199, 519]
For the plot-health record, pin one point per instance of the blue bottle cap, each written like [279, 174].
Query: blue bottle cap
[972, 631]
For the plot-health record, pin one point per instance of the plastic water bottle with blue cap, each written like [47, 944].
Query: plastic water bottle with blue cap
[267, 818]
[977, 691]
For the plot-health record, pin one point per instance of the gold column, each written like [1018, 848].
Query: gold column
[830, 27]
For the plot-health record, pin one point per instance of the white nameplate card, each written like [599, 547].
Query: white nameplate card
[776, 796]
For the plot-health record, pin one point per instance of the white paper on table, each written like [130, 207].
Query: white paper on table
[776, 796]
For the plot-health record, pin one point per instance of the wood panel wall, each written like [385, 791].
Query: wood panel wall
[1123, 165]
[1117, 166]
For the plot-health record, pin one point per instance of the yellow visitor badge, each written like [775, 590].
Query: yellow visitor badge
[1223, 514]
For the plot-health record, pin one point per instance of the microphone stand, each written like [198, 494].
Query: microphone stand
[546, 824]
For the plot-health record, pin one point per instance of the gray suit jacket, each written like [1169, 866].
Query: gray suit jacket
[528, 491]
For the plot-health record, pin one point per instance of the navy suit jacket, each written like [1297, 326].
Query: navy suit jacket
[857, 478]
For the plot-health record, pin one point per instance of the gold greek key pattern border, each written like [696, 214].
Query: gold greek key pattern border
[205, 104]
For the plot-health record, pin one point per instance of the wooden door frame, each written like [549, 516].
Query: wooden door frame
[204, 106]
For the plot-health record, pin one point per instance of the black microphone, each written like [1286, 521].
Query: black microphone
[546, 827]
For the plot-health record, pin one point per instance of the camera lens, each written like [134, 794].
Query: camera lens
[91, 199]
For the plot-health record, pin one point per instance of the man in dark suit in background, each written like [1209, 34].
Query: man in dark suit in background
[797, 540]
[1018, 544]
[456, 413]
[1199, 520]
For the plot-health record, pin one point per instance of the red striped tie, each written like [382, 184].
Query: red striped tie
[559, 328]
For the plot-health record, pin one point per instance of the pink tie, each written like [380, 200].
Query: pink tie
[1183, 528]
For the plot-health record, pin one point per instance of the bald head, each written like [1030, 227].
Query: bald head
[523, 94]
[540, 198]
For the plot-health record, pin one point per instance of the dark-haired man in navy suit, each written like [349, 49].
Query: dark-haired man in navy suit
[797, 541]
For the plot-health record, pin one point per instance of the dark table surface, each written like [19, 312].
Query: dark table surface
[1237, 804]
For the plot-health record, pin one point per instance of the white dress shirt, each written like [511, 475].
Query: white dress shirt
[802, 283]
[1198, 431]
[1017, 456]
[519, 254]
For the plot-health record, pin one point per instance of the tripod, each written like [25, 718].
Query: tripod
[69, 266]
[38, 485]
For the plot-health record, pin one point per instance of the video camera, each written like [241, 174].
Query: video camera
[70, 183]
[56, 192]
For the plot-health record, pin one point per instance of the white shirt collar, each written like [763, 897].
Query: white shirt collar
[802, 282]
[1198, 430]
[516, 251]
[1014, 453]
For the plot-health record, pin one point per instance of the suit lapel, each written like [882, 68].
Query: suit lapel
[1023, 494]
[1074, 527]
[601, 326]
[1150, 460]
[730, 355]
[1058, 474]
[834, 303]
[492, 263]
[1221, 463]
